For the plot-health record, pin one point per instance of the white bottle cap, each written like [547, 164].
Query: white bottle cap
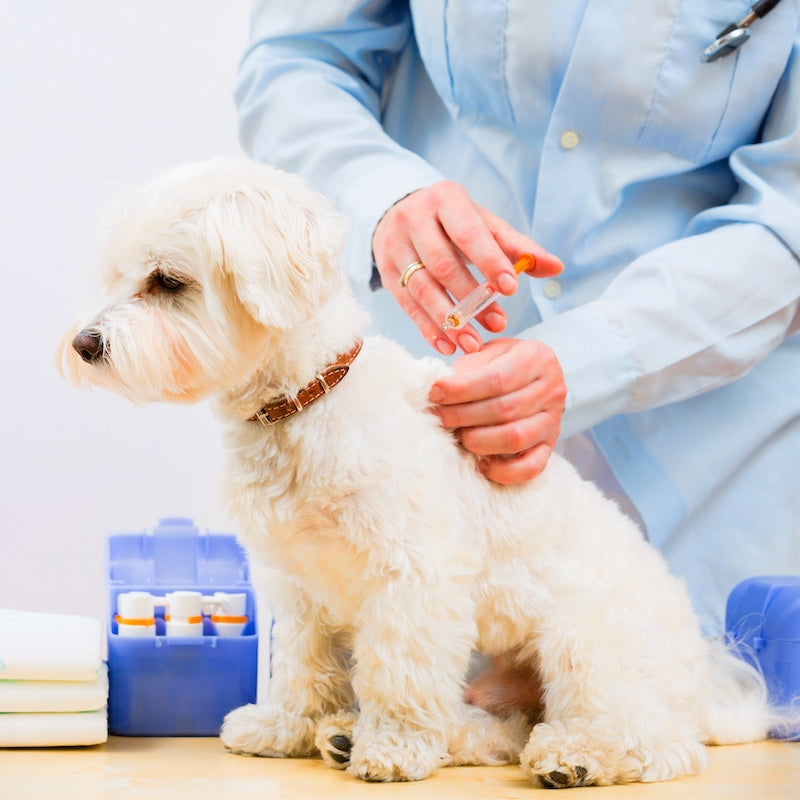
[135, 614]
[229, 618]
[182, 605]
[184, 613]
[135, 605]
[231, 605]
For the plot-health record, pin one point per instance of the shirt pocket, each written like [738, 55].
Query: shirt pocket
[702, 111]
[474, 61]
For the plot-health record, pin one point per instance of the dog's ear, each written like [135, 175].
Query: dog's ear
[280, 244]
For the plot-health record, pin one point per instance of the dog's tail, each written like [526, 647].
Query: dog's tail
[739, 708]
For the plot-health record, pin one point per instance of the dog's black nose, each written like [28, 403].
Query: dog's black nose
[89, 345]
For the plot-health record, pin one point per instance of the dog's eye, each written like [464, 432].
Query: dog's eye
[168, 282]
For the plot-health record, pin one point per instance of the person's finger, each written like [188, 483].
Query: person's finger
[422, 215]
[539, 394]
[494, 246]
[410, 232]
[501, 367]
[466, 227]
[515, 244]
[425, 215]
[441, 227]
[395, 271]
[511, 438]
[507, 404]
[523, 467]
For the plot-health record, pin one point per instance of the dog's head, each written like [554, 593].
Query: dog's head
[206, 267]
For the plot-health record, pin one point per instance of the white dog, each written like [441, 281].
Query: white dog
[390, 557]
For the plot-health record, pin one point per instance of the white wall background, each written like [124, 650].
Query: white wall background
[95, 95]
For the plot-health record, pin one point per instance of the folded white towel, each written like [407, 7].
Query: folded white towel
[53, 730]
[49, 647]
[54, 695]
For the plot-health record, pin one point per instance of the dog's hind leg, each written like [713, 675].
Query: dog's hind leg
[621, 699]
[581, 752]
[483, 739]
[309, 680]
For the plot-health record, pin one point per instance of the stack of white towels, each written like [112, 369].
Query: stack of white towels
[53, 680]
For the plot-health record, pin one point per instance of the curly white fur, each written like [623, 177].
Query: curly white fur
[389, 556]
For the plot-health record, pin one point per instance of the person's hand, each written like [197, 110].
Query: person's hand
[444, 229]
[505, 403]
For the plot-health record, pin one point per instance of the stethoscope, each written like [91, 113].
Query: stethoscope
[737, 33]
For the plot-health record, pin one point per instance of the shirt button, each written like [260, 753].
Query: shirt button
[569, 140]
[551, 290]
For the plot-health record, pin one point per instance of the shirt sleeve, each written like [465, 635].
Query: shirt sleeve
[321, 70]
[688, 318]
[703, 310]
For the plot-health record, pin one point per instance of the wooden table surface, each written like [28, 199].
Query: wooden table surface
[200, 769]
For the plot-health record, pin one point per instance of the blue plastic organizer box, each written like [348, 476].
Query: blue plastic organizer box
[161, 685]
[763, 620]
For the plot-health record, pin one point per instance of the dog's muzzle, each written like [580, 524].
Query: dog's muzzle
[89, 345]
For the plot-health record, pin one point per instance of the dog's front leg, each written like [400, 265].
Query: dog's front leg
[309, 679]
[411, 652]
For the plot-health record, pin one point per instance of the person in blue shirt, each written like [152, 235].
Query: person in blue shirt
[664, 359]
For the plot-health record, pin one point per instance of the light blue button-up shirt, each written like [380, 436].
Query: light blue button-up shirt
[670, 188]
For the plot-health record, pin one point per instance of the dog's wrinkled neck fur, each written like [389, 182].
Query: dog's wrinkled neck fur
[292, 358]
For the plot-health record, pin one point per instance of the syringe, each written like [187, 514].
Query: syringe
[480, 297]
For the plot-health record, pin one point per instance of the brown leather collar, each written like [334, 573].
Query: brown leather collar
[322, 384]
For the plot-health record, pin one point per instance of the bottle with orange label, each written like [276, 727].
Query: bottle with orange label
[184, 613]
[227, 612]
[135, 614]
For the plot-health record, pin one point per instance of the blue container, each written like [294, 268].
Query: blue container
[763, 620]
[169, 686]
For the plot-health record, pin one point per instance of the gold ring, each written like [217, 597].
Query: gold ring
[409, 271]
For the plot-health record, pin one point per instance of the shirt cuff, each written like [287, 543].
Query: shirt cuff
[368, 196]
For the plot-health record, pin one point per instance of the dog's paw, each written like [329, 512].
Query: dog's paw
[580, 752]
[481, 738]
[560, 759]
[564, 778]
[392, 756]
[268, 731]
[334, 739]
